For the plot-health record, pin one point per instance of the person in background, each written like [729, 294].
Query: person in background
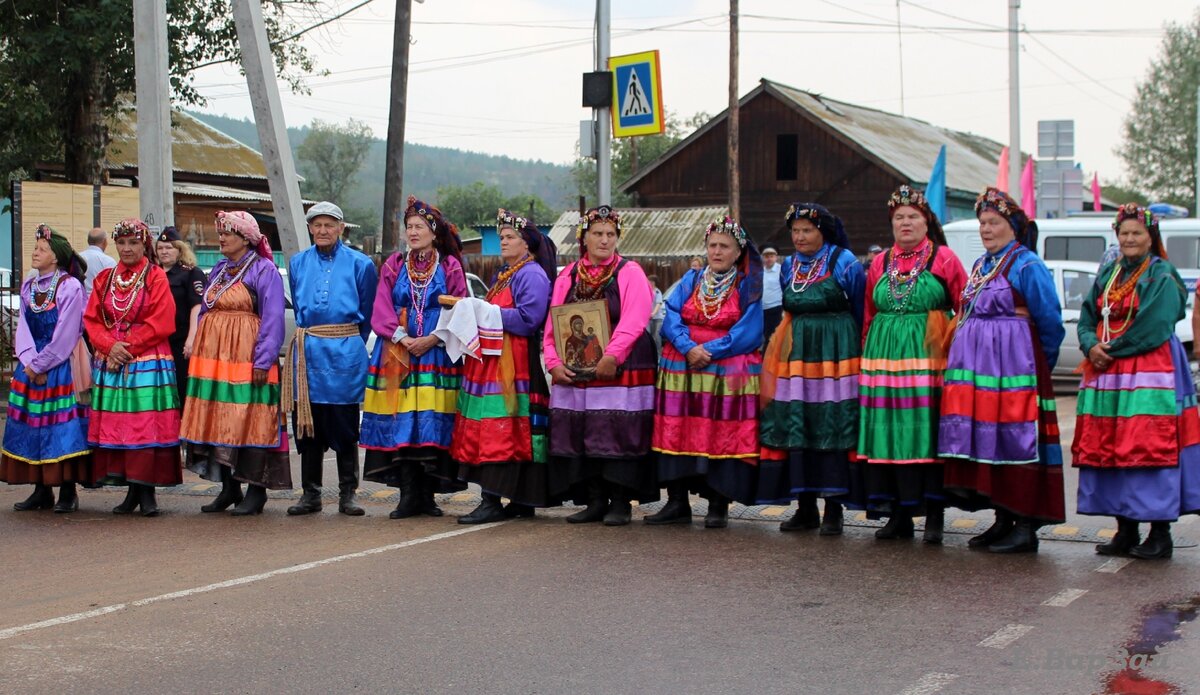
[697, 263]
[187, 285]
[772, 293]
[96, 258]
[872, 251]
[325, 374]
[45, 436]
[656, 314]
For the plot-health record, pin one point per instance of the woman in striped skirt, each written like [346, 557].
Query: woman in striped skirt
[134, 425]
[810, 420]
[232, 424]
[911, 289]
[706, 400]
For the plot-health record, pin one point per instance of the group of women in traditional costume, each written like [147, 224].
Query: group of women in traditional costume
[899, 390]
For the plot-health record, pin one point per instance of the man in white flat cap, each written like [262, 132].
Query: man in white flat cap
[325, 374]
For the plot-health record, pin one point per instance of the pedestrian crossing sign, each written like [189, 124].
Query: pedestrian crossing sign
[637, 95]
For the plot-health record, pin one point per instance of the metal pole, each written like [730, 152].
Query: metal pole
[155, 194]
[603, 115]
[733, 122]
[272, 131]
[1014, 104]
[393, 177]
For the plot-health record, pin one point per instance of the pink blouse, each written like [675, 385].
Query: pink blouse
[637, 301]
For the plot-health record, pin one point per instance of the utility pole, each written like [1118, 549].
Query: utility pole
[155, 192]
[272, 131]
[393, 177]
[1198, 151]
[1014, 104]
[731, 139]
[603, 114]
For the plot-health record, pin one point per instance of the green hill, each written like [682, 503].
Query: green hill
[426, 168]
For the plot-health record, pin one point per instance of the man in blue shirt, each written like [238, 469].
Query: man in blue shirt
[325, 375]
[772, 296]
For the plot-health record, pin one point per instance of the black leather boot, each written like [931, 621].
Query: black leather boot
[718, 512]
[310, 480]
[147, 501]
[68, 499]
[620, 511]
[426, 485]
[516, 510]
[1022, 539]
[597, 505]
[899, 525]
[410, 492]
[253, 502]
[806, 518]
[1158, 545]
[1126, 538]
[677, 510]
[347, 463]
[489, 510]
[130, 503]
[935, 520]
[831, 524]
[231, 493]
[1001, 527]
[42, 498]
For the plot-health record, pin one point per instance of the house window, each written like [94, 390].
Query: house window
[787, 156]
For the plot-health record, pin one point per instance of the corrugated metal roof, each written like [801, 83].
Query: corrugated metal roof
[203, 190]
[659, 232]
[905, 145]
[195, 148]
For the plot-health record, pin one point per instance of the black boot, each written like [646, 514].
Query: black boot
[620, 511]
[130, 503]
[42, 498]
[1158, 545]
[426, 485]
[597, 505]
[718, 512]
[831, 525]
[347, 463]
[231, 493]
[1126, 539]
[899, 525]
[147, 501]
[677, 510]
[68, 499]
[516, 510]
[489, 510]
[806, 517]
[253, 502]
[1001, 527]
[1022, 539]
[410, 492]
[310, 480]
[935, 519]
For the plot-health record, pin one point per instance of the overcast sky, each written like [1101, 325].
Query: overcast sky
[503, 76]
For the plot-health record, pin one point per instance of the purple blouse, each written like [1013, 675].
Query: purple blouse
[531, 294]
[263, 280]
[71, 301]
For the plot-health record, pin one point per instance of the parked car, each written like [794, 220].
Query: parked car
[1073, 280]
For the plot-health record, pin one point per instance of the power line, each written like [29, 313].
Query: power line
[1085, 75]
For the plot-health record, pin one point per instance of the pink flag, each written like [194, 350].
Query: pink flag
[1002, 172]
[1028, 192]
[1096, 192]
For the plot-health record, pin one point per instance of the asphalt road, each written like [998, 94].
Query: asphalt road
[209, 603]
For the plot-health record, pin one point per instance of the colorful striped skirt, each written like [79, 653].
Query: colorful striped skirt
[227, 420]
[45, 435]
[1137, 438]
[706, 421]
[412, 409]
[134, 423]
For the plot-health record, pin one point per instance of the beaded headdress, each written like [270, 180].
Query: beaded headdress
[131, 226]
[1002, 204]
[828, 223]
[425, 211]
[445, 233]
[540, 246]
[504, 218]
[907, 196]
[1133, 211]
[603, 212]
[727, 225]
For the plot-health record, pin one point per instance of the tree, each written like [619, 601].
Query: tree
[475, 205]
[648, 149]
[1160, 132]
[331, 156]
[64, 67]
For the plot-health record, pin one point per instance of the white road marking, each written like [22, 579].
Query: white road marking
[929, 683]
[1005, 636]
[240, 581]
[1064, 597]
[1114, 565]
